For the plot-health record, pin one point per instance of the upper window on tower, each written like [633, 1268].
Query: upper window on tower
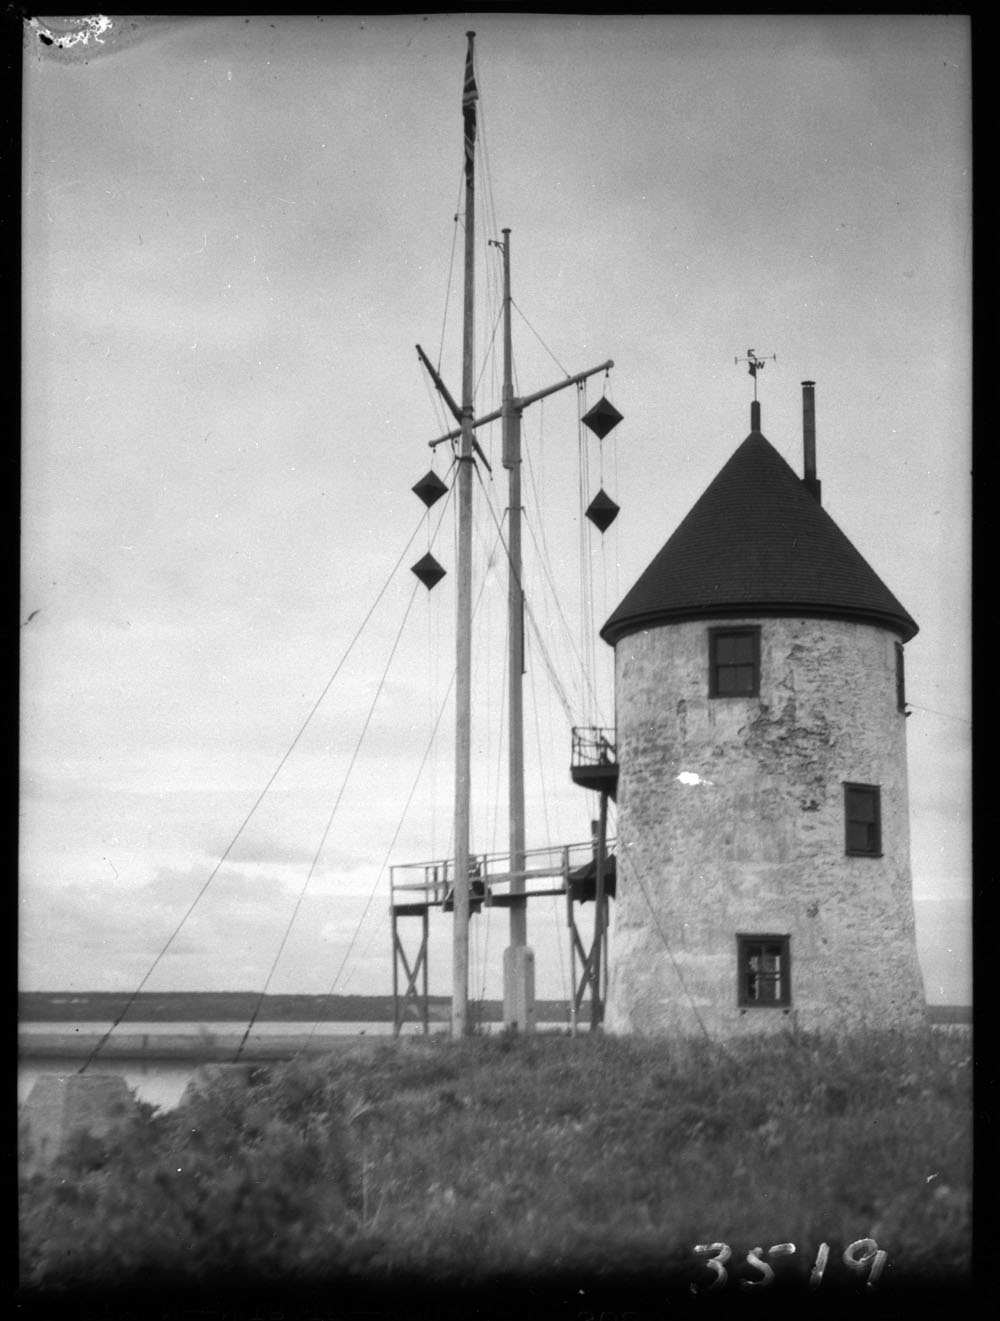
[734, 662]
[863, 819]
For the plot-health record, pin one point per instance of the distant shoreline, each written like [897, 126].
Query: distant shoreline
[240, 1006]
[193, 1048]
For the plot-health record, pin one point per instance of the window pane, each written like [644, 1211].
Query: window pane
[734, 648]
[860, 805]
[734, 663]
[743, 678]
[735, 679]
[860, 837]
[862, 818]
[762, 972]
[768, 990]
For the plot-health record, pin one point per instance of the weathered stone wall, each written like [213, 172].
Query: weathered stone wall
[758, 845]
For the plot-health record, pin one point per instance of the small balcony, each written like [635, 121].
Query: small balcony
[594, 763]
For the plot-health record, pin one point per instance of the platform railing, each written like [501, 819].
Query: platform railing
[490, 874]
[593, 745]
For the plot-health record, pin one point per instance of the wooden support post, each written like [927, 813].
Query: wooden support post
[415, 995]
[597, 996]
[396, 1020]
[426, 1007]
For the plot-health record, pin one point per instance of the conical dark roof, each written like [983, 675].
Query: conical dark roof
[757, 543]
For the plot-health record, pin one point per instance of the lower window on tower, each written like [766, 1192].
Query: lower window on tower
[763, 972]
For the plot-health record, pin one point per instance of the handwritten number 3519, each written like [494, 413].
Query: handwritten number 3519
[864, 1254]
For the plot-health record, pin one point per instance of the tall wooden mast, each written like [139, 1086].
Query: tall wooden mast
[518, 964]
[463, 645]
[518, 968]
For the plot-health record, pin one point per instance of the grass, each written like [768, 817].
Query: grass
[588, 1164]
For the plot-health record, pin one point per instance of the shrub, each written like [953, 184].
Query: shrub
[500, 1157]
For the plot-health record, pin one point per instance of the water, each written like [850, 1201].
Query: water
[134, 1029]
[162, 1082]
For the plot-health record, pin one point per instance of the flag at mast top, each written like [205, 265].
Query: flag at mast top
[470, 95]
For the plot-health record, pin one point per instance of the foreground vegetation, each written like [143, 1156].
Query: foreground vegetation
[500, 1161]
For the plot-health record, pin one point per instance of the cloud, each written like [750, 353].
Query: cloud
[74, 939]
[223, 414]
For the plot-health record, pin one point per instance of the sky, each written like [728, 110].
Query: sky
[235, 232]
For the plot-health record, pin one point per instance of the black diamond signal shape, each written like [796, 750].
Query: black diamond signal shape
[428, 571]
[602, 418]
[602, 511]
[430, 488]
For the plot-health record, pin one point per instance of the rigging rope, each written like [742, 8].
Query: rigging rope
[548, 830]
[451, 266]
[528, 611]
[388, 852]
[540, 340]
[626, 856]
[329, 822]
[489, 358]
[545, 559]
[544, 552]
[434, 666]
[485, 962]
[399, 826]
[612, 531]
[496, 801]
[347, 775]
[617, 488]
[604, 549]
[547, 661]
[586, 567]
[475, 610]
[586, 685]
[260, 798]
[588, 691]
[489, 211]
[962, 720]
[499, 771]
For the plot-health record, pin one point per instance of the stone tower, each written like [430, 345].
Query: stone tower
[763, 831]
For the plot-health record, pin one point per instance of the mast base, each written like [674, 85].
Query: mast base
[519, 989]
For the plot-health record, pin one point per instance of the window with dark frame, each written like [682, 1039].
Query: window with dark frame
[863, 820]
[764, 972]
[900, 680]
[734, 662]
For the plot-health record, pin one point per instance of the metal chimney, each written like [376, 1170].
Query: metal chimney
[809, 478]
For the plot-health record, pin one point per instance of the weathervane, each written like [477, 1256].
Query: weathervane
[756, 365]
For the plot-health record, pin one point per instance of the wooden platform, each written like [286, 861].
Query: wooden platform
[602, 777]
